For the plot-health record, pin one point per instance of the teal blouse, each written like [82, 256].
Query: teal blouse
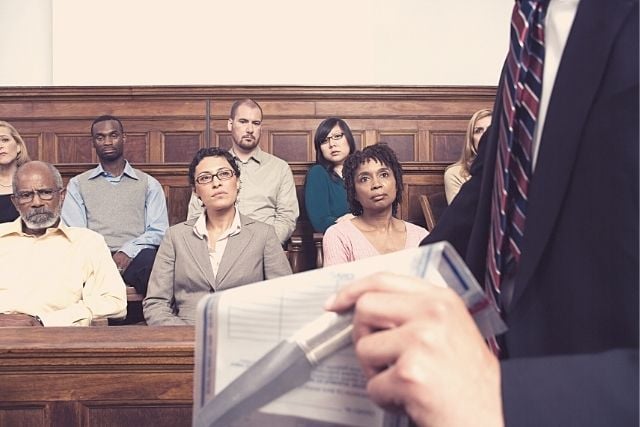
[324, 198]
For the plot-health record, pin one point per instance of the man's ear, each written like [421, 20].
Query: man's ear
[63, 193]
[229, 123]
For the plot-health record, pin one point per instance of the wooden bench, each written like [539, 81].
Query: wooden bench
[106, 376]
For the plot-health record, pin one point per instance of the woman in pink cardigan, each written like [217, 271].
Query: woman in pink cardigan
[373, 179]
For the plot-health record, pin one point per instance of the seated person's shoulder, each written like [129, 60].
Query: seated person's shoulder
[317, 171]
[84, 235]
[413, 228]
[340, 228]
[453, 171]
[274, 161]
[6, 227]
[254, 224]
[150, 178]
[83, 175]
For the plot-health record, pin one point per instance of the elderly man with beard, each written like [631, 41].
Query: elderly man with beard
[58, 275]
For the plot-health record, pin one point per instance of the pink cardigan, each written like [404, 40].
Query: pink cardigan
[343, 242]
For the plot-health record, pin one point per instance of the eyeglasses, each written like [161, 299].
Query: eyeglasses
[222, 175]
[43, 194]
[335, 137]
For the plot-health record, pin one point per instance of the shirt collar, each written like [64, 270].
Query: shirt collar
[15, 227]
[257, 155]
[200, 227]
[99, 171]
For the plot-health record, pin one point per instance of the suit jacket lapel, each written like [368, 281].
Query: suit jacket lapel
[233, 252]
[200, 254]
[581, 69]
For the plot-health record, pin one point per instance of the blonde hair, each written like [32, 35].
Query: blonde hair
[470, 151]
[23, 154]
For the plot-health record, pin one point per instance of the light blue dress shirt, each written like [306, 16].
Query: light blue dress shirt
[156, 220]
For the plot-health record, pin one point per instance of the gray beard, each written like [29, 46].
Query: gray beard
[40, 220]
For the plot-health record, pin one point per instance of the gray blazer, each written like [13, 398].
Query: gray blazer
[182, 272]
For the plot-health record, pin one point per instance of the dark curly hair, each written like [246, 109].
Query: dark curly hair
[381, 153]
[211, 152]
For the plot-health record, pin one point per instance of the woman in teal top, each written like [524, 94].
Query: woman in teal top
[325, 197]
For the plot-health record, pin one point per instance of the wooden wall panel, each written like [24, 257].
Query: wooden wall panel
[181, 147]
[137, 414]
[167, 125]
[98, 376]
[73, 149]
[23, 415]
[33, 143]
[403, 145]
[292, 147]
[447, 146]
[137, 147]
[177, 202]
[224, 140]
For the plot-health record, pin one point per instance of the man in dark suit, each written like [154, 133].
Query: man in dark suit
[570, 356]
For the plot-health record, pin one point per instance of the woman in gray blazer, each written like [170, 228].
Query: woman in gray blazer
[219, 250]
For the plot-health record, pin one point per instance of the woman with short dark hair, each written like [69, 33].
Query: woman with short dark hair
[220, 249]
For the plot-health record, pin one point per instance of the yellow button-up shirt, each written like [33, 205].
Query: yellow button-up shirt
[66, 276]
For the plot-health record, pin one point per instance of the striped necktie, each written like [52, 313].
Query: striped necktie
[520, 94]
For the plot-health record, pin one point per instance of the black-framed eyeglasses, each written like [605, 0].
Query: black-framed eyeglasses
[336, 137]
[222, 175]
[43, 194]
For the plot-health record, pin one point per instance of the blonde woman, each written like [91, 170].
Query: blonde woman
[458, 173]
[13, 153]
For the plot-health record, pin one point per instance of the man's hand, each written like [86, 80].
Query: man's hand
[422, 351]
[122, 261]
[16, 320]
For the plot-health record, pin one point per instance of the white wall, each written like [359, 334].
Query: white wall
[262, 42]
[25, 42]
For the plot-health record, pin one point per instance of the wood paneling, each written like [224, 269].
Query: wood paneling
[403, 145]
[292, 147]
[167, 125]
[97, 376]
[180, 147]
[447, 146]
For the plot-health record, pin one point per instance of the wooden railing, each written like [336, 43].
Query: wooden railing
[108, 376]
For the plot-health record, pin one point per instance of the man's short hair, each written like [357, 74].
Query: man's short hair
[107, 118]
[245, 101]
